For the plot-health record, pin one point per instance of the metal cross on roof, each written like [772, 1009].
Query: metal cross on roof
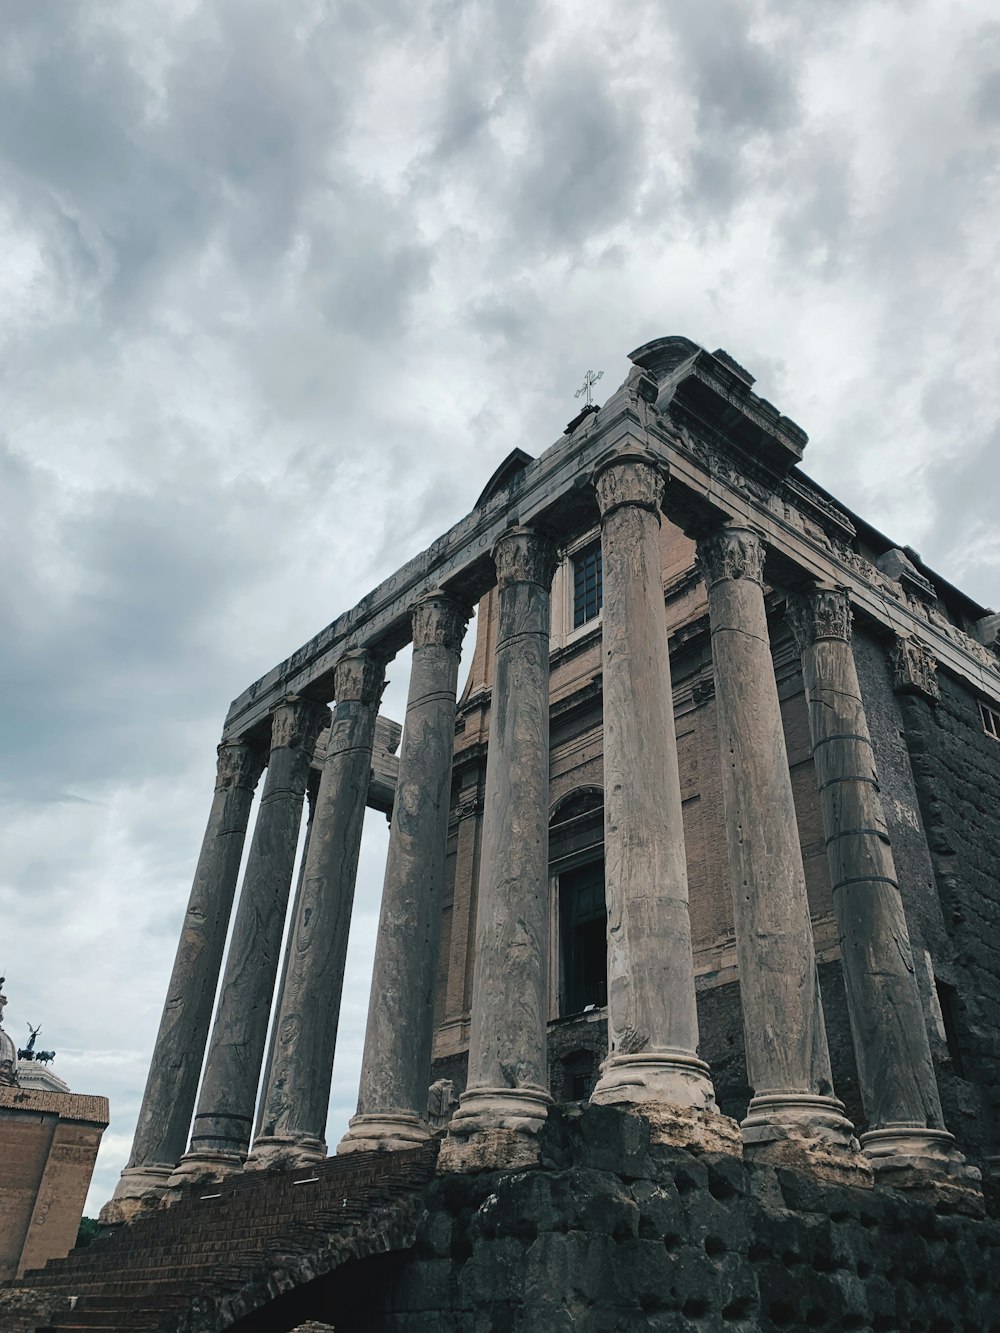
[589, 380]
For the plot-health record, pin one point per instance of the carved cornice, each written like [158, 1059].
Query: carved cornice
[822, 614]
[914, 668]
[297, 722]
[630, 477]
[731, 553]
[359, 677]
[240, 764]
[525, 555]
[439, 622]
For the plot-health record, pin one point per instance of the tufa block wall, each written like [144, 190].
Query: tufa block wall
[616, 1233]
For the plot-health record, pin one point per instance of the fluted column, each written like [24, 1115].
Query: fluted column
[788, 1061]
[906, 1135]
[172, 1084]
[222, 1125]
[395, 1072]
[297, 1098]
[508, 1076]
[652, 1017]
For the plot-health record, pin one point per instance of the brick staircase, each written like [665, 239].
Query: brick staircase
[225, 1250]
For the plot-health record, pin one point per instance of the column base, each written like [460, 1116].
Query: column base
[139, 1189]
[926, 1163]
[272, 1153]
[674, 1077]
[807, 1132]
[495, 1129]
[201, 1168]
[384, 1133]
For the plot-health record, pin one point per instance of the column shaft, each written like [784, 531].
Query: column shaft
[788, 1061]
[297, 1098]
[224, 1120]
[508, 1074]
[895, 1068]
[172, 1084]
[312, 790]
[652, 1016]
[395, 1073]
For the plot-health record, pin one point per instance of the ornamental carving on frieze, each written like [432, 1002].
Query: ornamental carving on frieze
[240, 764]
[630, 478]
[720, 466]
[359, 677]
[731, 553]
[439, 622]
[524, 555]
[914, 668]
[297, 722]
[823, 614]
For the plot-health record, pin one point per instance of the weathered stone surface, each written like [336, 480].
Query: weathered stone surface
[787, 1057]
[395, 1072]
[172, 1084]
[507, 1085]
[224, 1120]
[652, 1019]
[293, 1120]
[898, 1083]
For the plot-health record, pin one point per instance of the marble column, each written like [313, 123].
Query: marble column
[652, 1017]
[896, 1072]
[312, 791]
[297, 1097]
[223, 1122]
[172, 1084]
[508, 1067]
[788, 1061]
[395, 1072]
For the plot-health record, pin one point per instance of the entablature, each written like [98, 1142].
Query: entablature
[731, 457]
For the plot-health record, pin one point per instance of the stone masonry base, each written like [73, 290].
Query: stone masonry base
[616, 1231]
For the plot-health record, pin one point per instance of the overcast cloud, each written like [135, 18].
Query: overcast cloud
[281, 282]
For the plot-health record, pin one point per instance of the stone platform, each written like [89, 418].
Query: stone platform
[612, 1231]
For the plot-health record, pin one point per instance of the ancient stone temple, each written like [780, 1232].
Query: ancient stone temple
[685, 996]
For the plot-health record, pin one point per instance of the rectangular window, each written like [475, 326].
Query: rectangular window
[586, 584]
[584, 925]
[991, 721]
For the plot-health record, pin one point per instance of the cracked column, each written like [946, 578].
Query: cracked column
[224, 1119]
[507, 1093]
[395, 1072]
[793, 1111]
[652, 1017]
[172, 1084]
[297, 1098]
[906, 1140]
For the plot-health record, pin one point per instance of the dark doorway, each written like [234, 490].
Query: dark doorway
[583, 924]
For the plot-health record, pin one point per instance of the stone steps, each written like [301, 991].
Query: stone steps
[218, 1241]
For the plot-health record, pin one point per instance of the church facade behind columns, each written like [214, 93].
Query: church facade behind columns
[710, 831]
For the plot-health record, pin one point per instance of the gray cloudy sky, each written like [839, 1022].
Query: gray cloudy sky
[281, 281]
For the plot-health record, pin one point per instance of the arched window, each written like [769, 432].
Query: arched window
[576, 851]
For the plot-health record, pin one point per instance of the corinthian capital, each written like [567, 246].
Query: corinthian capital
[439, 622]
[297, 722]
[822, 614]
[359, 677]
[731, 553]
[524, 555]
[630, 477]
[240, 764]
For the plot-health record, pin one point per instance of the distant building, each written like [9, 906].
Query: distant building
[49, 1139]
